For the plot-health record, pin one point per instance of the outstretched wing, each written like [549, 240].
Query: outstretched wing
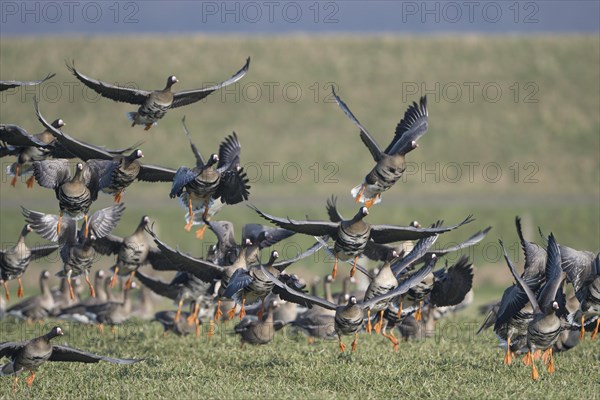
[16, 136]
[191, 96]
[116, 93]
[51, 173]
[197, 155]
[69, 354]
[313, 228]
[229, 153]
[282, 265]
[332, 211]
[103, 221]
[239, 280]
[182, 177]
[389, 233]
[5, 85]
[159, 287]
[410, 128]
[155, 173]
[364, 135]
[233, 187]
[520, 281]
[452, 285]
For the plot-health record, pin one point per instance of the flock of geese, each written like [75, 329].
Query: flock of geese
[404, 292]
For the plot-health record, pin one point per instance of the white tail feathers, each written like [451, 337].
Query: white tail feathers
[367, 194]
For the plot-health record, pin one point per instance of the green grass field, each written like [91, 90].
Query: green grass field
[525, 141]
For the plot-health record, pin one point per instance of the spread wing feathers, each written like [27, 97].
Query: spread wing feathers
[177, 261]
[471, 241]
[103, 221]
[323, 242]
[282, 265]
[197, 155]
[410, 128]
[159, 287]
[69, 354]
[52, 173]
[155, 173]
[416, 253]
[183, 176]
[38, 252]
[229, 153]
[98, 174]
[239, 280]
[577, 265]
[80, 149]
[313, 228]
[264, 236]
[116, 93]
[535, 256]
[404, 286]
[5, 85]
[364, 134]
[584, 289]
[191, 96]
[233, 187]
[295, 296]
[451, 285]
[43, 224]
[107, 245]
[388, 233]
[16, 136]
[520, 281]
[8, 349]
[332, 211]
[553, 274]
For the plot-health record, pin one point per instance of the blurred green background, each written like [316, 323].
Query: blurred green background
[514, 130]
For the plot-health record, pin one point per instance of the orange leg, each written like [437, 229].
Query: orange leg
[30, 378]
[595, 333]
[178, 313]
[550, 362]
[15, 382]
[379, 324]
[537, 354]
[194, 315]
[100, 328]
[582, 330]
[243, 310]
[527, 359]
[200, 232]
[534, 372]
[205, 213]
[355, 342]
[117, 197]
[360, 193]
[342, 345]
[508, 355]
[211, 328]
[392, 339]
[335, 267]
[419, 313]
[113, 279]
[218, 313]
[399, 313]
[71, 291]
[92, 291]
[148, 126]
[369, 327]
[87, 227]
[13, 182]
[6, 290]
[311, 340]
[188, 225]
[369, 203]
[30, 181]
[129, 280]
[261, 310]
[197, 329]
[353, 271]
[231, 312]
[20, 291]
[58, 223]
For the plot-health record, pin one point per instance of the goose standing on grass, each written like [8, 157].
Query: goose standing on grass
[318, 322]
[182, 324]
[30, 354]
[36, 308]
[391, 161]
[548, 308]
[75, 193]
[128, 170]
[153, 104]
[76, 246]
[206, 184]
[15, 260]
[5, 85]
[258, 331]
[133, 251]
[348, 318]
[353, 236]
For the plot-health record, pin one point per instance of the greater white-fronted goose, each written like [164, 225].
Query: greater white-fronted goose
[258, 331]
[75, 193]
[205, 184]
[353, 236]
[153, 104]
[348, 318]
[76, 246]
[129, 168]
[15, 260]
[548, 308]
[35, 308]
[30, 354]
[5, 85]
[390, 163]
[133, 251]
[183, 324]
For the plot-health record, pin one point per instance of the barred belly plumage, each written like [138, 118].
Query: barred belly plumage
[13, 267]
[153, 111]
[348, 323]
[80, 260]
[75, 205]
[544, 332]
[385, 178]
[200, 188]
[350, 244]
[121, 180]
